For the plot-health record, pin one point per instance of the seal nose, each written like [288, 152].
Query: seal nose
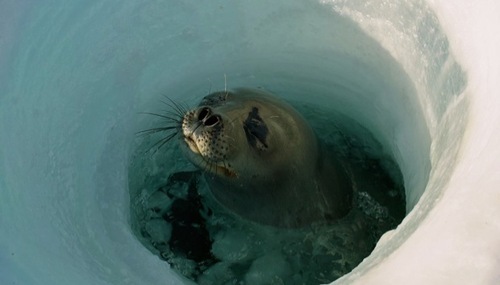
[212, 121]
[204, 113]
[206, 117]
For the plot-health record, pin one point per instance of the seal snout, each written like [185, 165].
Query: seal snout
[204, 134]
[200, 120]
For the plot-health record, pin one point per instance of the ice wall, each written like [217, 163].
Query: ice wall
[74, 74]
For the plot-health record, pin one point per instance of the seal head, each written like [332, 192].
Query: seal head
[263, 161]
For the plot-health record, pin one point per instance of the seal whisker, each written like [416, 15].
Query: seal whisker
[174, 114]
[226, 166]
[184, 107]
[213, 167]
[177, 107]
[162, 142]
[177, 120]
[216, 168]
[225, 84]
[210, 88]
[170, 104]
[240, 117]
[230, 137]
[156, 130]
[207, 166]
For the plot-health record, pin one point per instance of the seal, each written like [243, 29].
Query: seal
[263, 161]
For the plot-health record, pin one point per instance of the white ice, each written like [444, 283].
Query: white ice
[74, 74]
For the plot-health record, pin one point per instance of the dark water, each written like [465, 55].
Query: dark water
[178, 220]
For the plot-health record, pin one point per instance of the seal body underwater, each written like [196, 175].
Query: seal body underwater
[263, 161]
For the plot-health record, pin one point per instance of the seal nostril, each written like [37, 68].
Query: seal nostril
[203, 114]
[211, 121]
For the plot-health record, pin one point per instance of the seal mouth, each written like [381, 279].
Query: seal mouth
[192, 145]
[208, 165]
[225, 171]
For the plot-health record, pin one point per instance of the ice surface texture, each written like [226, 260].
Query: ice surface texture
[74, 74]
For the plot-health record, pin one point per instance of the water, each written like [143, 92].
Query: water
[420, 75]
[225, 249]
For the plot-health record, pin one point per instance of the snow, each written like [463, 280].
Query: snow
[74, 75]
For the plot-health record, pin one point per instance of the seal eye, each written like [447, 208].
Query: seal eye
[256, 130]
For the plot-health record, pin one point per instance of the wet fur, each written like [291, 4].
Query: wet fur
[289, 181]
